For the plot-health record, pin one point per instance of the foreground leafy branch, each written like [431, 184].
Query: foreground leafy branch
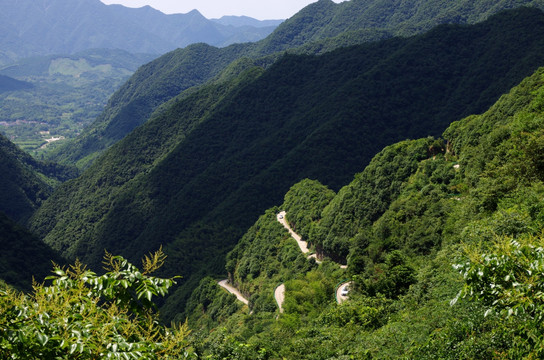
[85, 316]
[509, 279]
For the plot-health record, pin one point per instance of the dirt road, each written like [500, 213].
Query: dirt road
[225, 284]
[302, 244]
[279, 295]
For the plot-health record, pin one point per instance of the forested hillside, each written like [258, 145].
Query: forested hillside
[26, 183]
[444, 243]
[378, 19]
[383, 200]
[201, 171]
[24, 257]
[321, 27]
[152, 85]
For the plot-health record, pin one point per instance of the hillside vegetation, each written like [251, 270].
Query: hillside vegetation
[82, 315]
[320, 27]
[152, 85]
[444, 243]
[24, 258]
[378, 19]
[201, 171]
[438, 239]
[26, 183]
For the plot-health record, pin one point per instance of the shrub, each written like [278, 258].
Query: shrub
[82, 315]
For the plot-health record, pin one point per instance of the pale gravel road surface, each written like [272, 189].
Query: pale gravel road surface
[279, 295]
[302, 244]
[225, 284]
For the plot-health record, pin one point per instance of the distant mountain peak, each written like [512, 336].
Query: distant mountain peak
[38, 28]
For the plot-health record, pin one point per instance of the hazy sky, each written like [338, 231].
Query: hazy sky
[259, 9]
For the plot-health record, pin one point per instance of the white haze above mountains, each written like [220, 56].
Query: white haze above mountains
[35, 28]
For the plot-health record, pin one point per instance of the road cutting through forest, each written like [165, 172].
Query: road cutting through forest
[279, 292]
[231, 289]
[303, 245]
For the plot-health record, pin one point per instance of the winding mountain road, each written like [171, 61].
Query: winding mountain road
[231, 289]
[279, 293]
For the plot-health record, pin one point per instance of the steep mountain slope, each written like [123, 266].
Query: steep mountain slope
[26, 183]
[375, 19]
[30, 28]
[24, 257]
[474, 198]
[318, 28]
[201, 171]
[152, 85]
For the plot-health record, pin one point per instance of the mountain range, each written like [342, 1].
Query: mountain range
[30, 28]
[320, 27]
[207, 165]
[205, 150]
